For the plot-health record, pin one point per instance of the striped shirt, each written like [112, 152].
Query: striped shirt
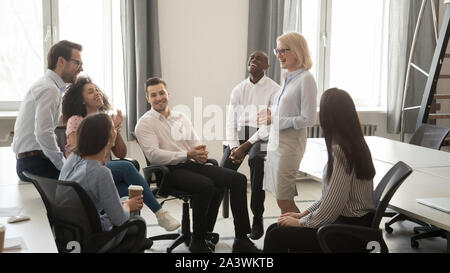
[342, 195]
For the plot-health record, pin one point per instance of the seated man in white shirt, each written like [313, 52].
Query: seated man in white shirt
[34, 140]
[168, 138]
[250, 96]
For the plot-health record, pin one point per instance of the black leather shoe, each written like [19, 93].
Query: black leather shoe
[199, 246]
[213, 237]
[257, 228]
[244, 245]
[148, 243]
[211, 245]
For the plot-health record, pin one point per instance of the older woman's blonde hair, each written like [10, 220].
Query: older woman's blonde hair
[298, 47]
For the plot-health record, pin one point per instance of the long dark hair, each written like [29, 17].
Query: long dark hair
[93, 134]
[340, 124]
[72, 102]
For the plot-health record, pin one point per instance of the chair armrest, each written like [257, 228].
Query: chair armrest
[212, 162]
[162, 171]
[101, 239]
[132, 161]
[326, 233]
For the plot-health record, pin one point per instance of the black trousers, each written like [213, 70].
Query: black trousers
[301, 239]
[256, 163]
[207, 183]
[38, 165]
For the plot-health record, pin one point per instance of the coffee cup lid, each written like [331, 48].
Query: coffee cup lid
[2, 228]
[135, 187]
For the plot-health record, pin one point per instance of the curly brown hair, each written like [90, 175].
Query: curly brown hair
[72, 102]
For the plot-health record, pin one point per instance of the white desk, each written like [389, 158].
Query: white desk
[430, 178]
[443, 172]
[36, 232]
[392, 151]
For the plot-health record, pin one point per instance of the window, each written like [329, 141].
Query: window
[348, 42]
[95, 24]
[21, 49]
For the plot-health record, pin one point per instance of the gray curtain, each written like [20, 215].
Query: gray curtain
[402, 21]
[265, 24]
[140, 38]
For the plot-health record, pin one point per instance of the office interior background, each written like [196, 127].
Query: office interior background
[203, 48]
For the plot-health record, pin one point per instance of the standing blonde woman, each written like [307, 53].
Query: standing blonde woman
[294, 110]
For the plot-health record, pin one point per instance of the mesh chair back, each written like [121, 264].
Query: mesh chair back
[61, 138]
[387, 187]
[71, 212]
[429, 136]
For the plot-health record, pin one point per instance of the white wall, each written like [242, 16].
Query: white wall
[203, 54]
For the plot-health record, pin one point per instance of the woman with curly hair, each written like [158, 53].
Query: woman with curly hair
[84, 98]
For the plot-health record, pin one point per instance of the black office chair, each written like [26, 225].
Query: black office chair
[429, 136]
[352, 238]
[61, 139]
[75, 221]
[156, 174]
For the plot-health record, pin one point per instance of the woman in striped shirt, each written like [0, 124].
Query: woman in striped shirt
[347, 193]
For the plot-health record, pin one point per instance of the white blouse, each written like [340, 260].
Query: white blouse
[296, 104]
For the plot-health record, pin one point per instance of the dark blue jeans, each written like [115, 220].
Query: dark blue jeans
[125, 174]
[38, 165]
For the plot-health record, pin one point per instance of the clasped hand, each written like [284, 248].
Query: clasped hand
[290, 219]
[199, 154]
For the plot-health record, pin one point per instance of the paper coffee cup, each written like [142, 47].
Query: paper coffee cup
[134, 190]
[2, 237]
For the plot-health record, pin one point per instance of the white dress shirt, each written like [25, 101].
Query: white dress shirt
[165, 141]
[38, 117]
[247, 100]
[296, 104]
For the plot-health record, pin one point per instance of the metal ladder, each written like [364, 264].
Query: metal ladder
[429, 94]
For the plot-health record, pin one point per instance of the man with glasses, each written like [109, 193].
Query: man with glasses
[245, 136]
[34, 140]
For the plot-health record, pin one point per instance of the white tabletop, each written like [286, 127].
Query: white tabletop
[422, 185]
[35, 232]
[392, 151]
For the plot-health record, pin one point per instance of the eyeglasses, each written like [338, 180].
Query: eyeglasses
[78, 63]
[282, 51]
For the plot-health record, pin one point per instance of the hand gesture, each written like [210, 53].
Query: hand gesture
[117, 120]
[135, 203]
[199, 154]
[264, 117]
[288, 221]
[238, 153]
[292, 214]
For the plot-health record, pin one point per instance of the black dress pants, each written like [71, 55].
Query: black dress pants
[302, 239]
[207, 183]
[256, 156]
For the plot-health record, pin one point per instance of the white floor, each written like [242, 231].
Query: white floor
[309, 191]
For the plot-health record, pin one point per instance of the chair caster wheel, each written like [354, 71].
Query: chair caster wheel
[414, 244]
[388, 229]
